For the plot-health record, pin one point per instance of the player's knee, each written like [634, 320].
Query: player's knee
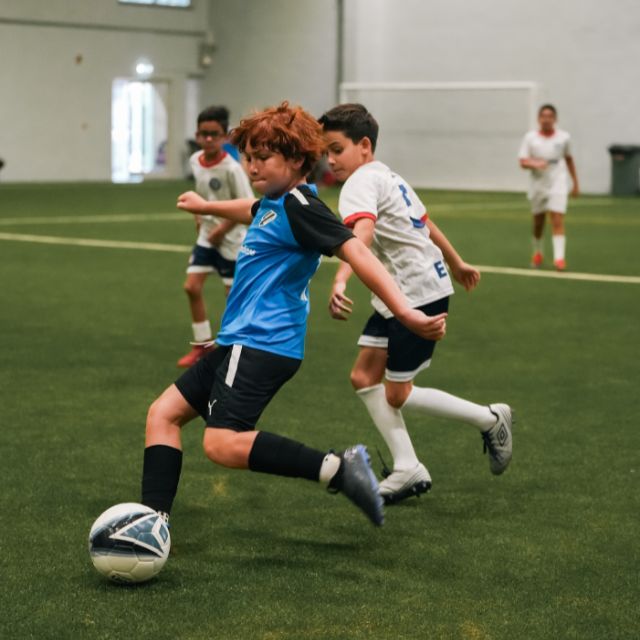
[154, 415]
[396, 396]
[219, 447]
[361, 379]
[193, 290]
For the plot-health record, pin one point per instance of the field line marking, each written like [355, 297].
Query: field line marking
[177, 248]
[91, 242]
[115, 217]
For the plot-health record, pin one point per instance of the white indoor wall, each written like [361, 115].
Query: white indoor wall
[59, 59]
[583, 53]
[271, 50]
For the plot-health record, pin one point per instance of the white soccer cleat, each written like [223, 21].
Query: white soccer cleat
[498, 441]
[399, 485]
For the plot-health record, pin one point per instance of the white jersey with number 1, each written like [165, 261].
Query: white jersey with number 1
[401, 237]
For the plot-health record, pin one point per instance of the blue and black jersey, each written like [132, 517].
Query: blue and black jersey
[268, 304]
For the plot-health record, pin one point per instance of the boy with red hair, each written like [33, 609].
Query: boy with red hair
[261, 341]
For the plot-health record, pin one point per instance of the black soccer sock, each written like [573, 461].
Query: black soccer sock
[160, 476]
[284, 457]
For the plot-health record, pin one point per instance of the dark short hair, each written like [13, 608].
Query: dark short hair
[216, 113]
[353, 120]
[550, 107]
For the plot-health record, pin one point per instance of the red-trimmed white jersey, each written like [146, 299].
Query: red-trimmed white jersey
[553, 180]
[224, 179]
[401, 238]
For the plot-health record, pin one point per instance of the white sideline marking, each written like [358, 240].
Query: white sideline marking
[91, 242]
[564, 275]
[180, 248]
[116, 217]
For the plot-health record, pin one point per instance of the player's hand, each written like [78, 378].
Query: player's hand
[428, 327]
[540, 164]
[467, 275]
[191, 201]
[340, 306]
[575, 192]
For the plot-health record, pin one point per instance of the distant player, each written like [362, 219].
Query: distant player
[387, 215]
[261, 342]
[218, 176]
[547, 155]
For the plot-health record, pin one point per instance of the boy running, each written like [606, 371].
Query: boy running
[547, 155]
[387, 215]
[218, 177]
[261, 341]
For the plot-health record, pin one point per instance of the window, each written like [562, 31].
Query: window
[160, 3]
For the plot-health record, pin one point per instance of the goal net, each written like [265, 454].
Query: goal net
[450, 135]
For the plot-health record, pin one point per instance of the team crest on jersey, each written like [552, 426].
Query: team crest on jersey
[214, 184]
[268, 217]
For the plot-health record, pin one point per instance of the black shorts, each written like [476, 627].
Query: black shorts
[230, 387]
[407, 353]
[208, 260]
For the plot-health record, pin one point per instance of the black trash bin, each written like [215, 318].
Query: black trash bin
[625, 169]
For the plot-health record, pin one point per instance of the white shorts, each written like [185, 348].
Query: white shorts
[543, 202]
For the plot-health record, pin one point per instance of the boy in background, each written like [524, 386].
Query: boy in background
[547, 155]
[217, 176]
[387, 215]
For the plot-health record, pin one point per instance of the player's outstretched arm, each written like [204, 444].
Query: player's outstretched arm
[340, 306]
[571, 166]
[467, 275]
[373, 274]
[533, 163]
[237, 210]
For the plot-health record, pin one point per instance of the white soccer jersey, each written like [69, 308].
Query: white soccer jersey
[553, 180]
[401, 238]
[224, 179]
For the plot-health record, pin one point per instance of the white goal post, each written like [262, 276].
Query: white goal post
[451, 135]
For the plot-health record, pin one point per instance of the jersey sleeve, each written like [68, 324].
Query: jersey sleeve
[239, 183]
[525, 149]
[254, 208]
[567, 146]
[313, 225]
[358, 199]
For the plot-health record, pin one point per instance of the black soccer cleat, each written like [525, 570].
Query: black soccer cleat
[357, 481]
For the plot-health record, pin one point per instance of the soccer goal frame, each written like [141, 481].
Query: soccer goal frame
[506, 85]
[454, 149]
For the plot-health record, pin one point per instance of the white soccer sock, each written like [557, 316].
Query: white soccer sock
[329, 468]
[443, 405]
[559, 244]
[537, 244]
[201, 331]
[390, 424]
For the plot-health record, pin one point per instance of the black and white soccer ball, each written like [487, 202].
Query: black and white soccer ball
[129, 543]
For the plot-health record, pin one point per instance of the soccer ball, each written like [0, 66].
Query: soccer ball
[129, 543]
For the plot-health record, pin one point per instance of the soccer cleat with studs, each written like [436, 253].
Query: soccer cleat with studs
[198, 351]
[560, 265]
[399, 485]
[498, 442]
[358, 482]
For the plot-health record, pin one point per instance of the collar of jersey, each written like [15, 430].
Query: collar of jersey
[213, 163]
[308, 186]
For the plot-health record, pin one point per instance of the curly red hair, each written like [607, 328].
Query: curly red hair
[288, 130]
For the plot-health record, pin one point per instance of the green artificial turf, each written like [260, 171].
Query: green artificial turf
[89, 336]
